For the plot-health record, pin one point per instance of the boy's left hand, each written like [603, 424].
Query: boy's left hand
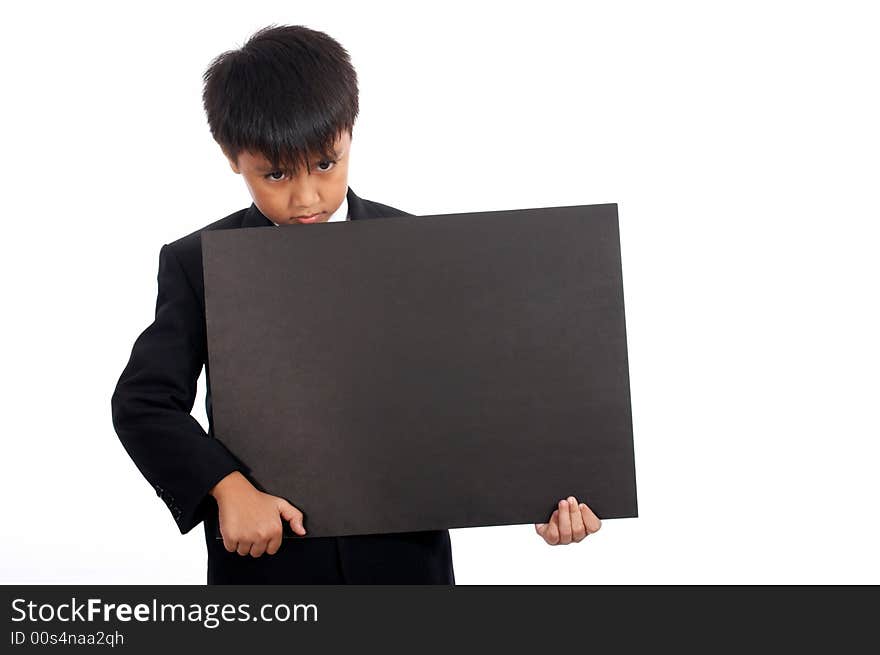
[571, 522]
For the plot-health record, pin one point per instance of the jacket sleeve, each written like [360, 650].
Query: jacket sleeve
[154, 396]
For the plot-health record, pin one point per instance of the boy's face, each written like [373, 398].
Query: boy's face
[287, 200]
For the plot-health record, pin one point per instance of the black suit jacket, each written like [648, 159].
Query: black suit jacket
[151, 408]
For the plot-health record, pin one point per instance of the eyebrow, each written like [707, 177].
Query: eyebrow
[271, 169]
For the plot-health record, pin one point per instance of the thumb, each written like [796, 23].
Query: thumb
[292, 515]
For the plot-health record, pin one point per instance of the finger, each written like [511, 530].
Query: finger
[591, 521]
[292, 515]
[258, 548]
[274, 544]
[552, 536]
[229, 545]
[578, 530]
[542, 528]
[244, 547]
[564, 523]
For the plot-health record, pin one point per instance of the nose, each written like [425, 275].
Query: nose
[304, 197]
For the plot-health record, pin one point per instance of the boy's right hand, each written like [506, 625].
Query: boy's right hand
[250, 520]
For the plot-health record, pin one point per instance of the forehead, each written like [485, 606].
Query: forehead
[257, 161]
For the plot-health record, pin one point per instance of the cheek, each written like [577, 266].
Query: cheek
[271, 195]
[272, 201]
[340, 179]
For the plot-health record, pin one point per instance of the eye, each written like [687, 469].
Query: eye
[271, 176]
[329, 162]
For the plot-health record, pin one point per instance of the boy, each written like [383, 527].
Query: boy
[282, 108]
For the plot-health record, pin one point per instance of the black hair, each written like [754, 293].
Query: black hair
[287, 93]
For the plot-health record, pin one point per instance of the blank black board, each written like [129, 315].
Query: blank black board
[425, 372]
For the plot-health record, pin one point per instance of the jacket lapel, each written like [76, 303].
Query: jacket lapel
[357, 210]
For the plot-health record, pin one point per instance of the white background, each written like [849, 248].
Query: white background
[740, 140]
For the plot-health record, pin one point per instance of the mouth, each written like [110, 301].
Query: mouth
[313, 218]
